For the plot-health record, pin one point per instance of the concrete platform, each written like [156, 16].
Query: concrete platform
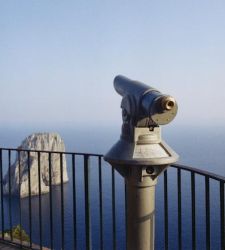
[7, 247]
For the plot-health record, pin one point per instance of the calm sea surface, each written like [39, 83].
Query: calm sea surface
[199, 147]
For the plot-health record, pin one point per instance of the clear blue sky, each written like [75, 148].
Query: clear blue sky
[58, 58]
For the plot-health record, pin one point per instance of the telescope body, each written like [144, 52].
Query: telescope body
[141, 101]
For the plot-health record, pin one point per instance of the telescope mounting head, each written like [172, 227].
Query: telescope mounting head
[143, 106]
[144, 109]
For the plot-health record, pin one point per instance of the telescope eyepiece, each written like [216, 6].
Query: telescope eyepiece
[167, 102]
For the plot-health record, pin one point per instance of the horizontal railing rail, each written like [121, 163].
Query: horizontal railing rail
[89, 210]
[50, 151]
[200, 172]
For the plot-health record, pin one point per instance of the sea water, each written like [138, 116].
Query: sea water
[203, 148]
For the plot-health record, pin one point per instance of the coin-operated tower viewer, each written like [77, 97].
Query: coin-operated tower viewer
[141, 155]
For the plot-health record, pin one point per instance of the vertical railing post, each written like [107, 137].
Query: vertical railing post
[100, 201]
[222, 216]
[10, 195]
[74, 204]
[62, 201]
[179, 201]
[29, 192]
[207, 212]
[125, 194]
[87, 203]
[165, 211]
[40, 199]
[20, 212]
[2, 193]
[193, 211]
[50, 198]
[113, 209]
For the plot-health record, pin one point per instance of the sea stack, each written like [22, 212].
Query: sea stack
[20, 182]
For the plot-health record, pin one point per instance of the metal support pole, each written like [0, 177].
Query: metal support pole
[140, 212]
[140, 155]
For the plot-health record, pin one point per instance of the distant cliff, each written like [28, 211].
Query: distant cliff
[20, 182]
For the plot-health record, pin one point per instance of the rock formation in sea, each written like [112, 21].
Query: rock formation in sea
[20, 181]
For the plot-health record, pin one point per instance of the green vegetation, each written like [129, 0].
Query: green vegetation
[17, 233]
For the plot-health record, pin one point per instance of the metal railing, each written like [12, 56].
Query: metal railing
[88, 212]
[208, 194]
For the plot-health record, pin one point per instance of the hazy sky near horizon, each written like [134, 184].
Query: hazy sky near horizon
[58, 59]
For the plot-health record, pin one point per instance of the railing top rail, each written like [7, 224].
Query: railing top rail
[178, 166]
[49, 151]
[200, 172]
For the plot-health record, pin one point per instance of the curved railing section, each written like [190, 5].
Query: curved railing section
[88, 211]
[205, 199]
